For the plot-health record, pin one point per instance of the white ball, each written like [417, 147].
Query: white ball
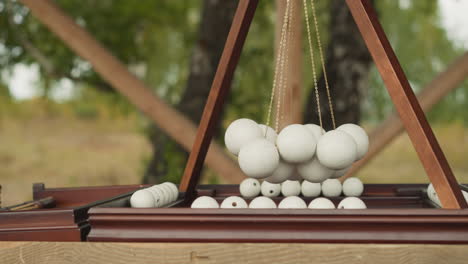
[241, 132]
[313, 171]
[259, 159]
[432, 194]
[262, 202]
[283, 172]
[157, 196]
[331, 188]
[321, 203]
[310, 189]
[269, 133]
[339, 173]
[234, 202]
[336, 150]
[292, 202]
[353, 187]
[205, 202]
[142, 199]
[270, 189]
[316, 130]
[291, 188]
[296, 144]
[173, 188]
[360, 137]
[165, 196]
[171, 196]
[352, 203]
[249, 188]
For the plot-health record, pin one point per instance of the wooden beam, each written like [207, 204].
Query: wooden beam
[406, 103]
[431, 94]
[173, 123]
[136, 253]
[219, 90]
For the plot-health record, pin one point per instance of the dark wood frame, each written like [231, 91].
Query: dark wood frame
[403, 97]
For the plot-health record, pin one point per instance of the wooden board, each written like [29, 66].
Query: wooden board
[136, 253]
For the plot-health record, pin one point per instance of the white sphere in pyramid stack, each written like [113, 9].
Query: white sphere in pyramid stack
[205, 202]
[270, 189]
[258, 159]
[321, 203]
[360, 137]
[241, 132]
[142, 199]
[234, 202]
[351, 203]
[269, 133]
[292, 202]
[262, 202]
[331, 188]
[353, 187]
[283, 172]
[310, 189]
[249, 188]
[316, 130]
[291, 188]
[296, 144]
[314, 171]
[336, 150]
[339, 173]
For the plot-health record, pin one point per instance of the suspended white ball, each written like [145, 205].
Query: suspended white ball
[292, 202]
[316, 130]
[310, 189]
[234, 202]
[269, 133]
[270, 189]
[249, 188]
[283, 172]
[353, 187]
[205, 202]
[291, 188]
[321, 203]
[262, 202]
[314, 171]
[258, 159]
[296, 143]
[331, 188]
[336, 150]
[241, 132]
[142, 199]
[339, 173]
[352, 203]
[360, 137]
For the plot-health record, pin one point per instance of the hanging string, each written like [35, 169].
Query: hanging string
[323, 64]
[314, 71]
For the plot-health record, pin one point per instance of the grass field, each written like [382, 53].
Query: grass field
[64, 151]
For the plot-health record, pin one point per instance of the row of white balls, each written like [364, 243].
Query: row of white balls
[158, 195]
[317, 155]
[352, 187]
[290, 202]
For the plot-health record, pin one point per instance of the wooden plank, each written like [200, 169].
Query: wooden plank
[406, 103]
[431, 94]
[219, 90]
[173, 123]
[135, 253]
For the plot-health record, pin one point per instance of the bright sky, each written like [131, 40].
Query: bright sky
[22, 83]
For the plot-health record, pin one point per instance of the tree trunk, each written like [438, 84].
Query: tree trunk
[347, 65]
[214, 27]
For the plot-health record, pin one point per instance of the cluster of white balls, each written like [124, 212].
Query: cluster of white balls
[298, 151]
[159, 195]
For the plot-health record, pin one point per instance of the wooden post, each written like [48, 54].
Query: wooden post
[115, 73]
[219, 90]
[406, 103]
[383, 135]
[292, 105]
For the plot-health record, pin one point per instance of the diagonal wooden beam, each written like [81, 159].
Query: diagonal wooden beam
[173, 123]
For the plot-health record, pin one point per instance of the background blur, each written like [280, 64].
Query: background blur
[62, 125]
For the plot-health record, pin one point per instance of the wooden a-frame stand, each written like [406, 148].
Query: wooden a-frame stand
[403, 97]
